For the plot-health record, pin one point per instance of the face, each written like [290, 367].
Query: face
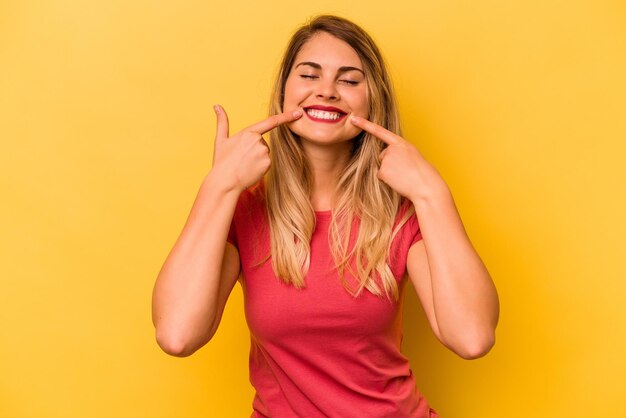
[328, 82]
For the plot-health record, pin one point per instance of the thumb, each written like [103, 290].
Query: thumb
[222, 122]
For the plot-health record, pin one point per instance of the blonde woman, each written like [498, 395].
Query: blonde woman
[320, 227]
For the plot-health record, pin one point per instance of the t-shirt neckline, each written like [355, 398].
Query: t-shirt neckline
[323, 214]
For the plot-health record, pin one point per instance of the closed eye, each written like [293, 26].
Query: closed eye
[308, 76]
[351, 82]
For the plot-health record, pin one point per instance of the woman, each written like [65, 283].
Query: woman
[321, 228]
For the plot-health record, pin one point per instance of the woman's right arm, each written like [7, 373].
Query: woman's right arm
[200, 271]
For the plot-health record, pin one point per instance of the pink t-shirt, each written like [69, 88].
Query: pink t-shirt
[318, 351]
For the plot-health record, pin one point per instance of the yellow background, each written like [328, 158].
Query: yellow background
[106, 130]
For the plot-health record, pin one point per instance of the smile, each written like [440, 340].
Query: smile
[323, 114]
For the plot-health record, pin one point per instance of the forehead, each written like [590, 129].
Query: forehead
[328, 51]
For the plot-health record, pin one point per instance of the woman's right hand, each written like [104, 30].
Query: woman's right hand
[242, 159]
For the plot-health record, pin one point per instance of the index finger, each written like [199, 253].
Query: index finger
[378, 131]
[274, 121]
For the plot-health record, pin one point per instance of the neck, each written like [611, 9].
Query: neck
[326, 163]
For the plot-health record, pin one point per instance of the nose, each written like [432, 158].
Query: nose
[327, 90]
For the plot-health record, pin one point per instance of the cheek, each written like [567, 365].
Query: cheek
[359, 103]
[293, 95]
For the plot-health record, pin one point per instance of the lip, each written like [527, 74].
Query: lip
[342, 114]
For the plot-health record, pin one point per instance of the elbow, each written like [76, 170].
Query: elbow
[180, 337]
[474, 339]
[177, 344]
[476, 347]
[470, 345]
[173, 346]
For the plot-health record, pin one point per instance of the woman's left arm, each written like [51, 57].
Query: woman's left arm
[452, 283]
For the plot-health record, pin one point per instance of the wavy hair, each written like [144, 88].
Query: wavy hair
[361, 200]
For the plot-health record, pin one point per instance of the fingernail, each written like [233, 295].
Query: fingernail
[297, 113]
[353, 119]
[217, 109]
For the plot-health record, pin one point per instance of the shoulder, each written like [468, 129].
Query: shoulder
[250, 212]
[406, 232]
[250, 226]
[406, 218]
[252, 199]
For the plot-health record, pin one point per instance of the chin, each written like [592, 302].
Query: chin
[323, 134]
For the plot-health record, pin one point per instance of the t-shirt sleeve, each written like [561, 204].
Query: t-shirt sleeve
[408, 235]
[239, 222]
[247, 217]
[410, 232]
[416, 232]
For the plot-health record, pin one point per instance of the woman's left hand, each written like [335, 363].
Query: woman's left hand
[402, 166]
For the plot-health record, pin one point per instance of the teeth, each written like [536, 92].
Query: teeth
[322, 114]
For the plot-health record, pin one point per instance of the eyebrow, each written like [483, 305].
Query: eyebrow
[319, 67]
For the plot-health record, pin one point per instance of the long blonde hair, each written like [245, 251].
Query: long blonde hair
[360, 195]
